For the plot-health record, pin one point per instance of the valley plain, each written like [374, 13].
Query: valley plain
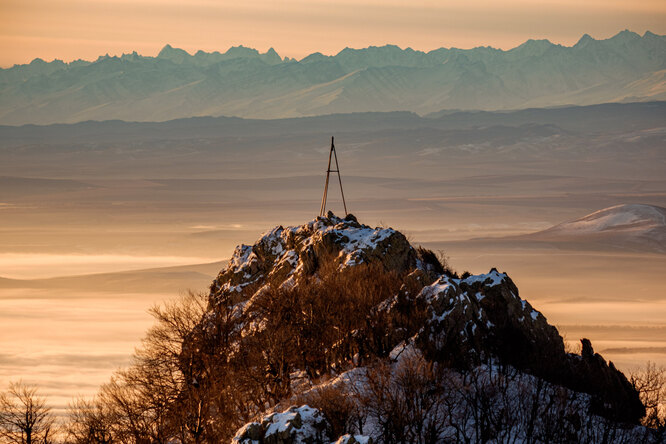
[139, 212]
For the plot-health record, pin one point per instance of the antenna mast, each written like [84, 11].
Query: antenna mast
[331, 154]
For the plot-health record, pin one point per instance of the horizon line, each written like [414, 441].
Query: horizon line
[287, 59]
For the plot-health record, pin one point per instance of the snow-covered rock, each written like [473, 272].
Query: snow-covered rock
[468, 320]
[455, 323]
[282, 255]
[297, 425]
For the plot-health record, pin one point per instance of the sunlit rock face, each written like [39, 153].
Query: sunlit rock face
[458, 322]
[283, 255]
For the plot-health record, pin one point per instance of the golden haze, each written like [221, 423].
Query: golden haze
[74, 29]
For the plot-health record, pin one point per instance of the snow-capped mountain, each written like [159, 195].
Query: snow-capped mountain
[629, 227]
[242, 82]
[318, 307]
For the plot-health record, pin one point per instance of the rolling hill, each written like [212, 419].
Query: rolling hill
[628, 227]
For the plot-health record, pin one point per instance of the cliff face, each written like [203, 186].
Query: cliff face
[458, 323]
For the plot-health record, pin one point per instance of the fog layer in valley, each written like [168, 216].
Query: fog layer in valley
[103, 198]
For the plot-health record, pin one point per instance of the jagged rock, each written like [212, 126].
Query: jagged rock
[482, 316]
[284, 254]
[302, 425]
[472, 319]
[252, 432]
[617, 398]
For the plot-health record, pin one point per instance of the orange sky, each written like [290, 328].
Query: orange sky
[71, 29]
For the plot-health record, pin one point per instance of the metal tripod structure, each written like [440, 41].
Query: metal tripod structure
[331, 154]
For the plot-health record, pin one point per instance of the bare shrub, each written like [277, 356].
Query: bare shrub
[430, 259]
[650, 383]
[422, 385]
[407, 404]
[445, 260]
[337, 406]
[381, 401]
[324, 322]
[90, 422]
[166, 394]
[574, 348]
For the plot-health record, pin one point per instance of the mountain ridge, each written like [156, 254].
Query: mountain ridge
[243, 82]
[240, 51]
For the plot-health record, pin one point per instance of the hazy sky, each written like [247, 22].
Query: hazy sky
[71, 29]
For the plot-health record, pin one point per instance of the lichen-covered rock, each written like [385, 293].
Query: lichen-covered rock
[297, 425]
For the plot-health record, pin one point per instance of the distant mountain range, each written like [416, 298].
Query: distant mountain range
[242, 82]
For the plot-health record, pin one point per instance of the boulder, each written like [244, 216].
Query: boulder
[302, 425]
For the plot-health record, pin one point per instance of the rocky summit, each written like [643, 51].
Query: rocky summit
[466, 325]
[283, 255]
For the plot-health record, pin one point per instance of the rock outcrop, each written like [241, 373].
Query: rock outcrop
[471, 320]
[457, 322]
[283, 255]
[296, 425]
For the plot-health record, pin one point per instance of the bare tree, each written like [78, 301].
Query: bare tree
[651, 385]
[24, 416]
[90, 422]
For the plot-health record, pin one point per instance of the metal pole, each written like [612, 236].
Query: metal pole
[337, 167]
[332, 153]
[328, 173]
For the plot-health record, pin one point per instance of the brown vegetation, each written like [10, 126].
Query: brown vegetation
[650, 382]
[197, 376]
[208, 366]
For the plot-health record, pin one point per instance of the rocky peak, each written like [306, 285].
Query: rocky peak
[284, 254]
[176, 55]
[460, 323]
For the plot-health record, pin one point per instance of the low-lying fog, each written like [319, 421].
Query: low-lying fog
[103, 199]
